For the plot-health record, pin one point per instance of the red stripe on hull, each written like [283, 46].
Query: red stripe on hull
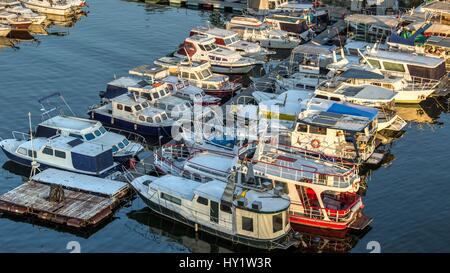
[317, 223]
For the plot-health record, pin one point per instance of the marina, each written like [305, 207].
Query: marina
[341, 129]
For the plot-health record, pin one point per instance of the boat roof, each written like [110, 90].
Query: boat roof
[214, 161]
[175, 185]
[367, 92]
[201, 39]
[128, 99]
[313, 49]
[213, 189]
[378, 20]
[269, 201]
[128, 81]
[336, 115]
[438, 41]
[248, 21]
[405, 58]
[437, 7]
[148, 70]
[70, 123]
[363, 74]
[67, 143]
[439, 28]
[215, 31]
[285, 18]
[79, 181]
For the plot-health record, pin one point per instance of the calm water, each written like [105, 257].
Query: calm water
[408, 198]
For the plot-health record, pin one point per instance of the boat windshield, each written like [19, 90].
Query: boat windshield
[206, 73]
[208, 47]
[231, 40]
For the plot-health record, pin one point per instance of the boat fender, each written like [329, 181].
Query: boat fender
[315, 143]
[355, 187]
[135, 126]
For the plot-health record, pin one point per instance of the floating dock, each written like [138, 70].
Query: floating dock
[66, 198]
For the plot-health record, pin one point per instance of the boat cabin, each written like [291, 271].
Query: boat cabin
[336, 129]
[137, 109]
[120, 86]
[410, 66]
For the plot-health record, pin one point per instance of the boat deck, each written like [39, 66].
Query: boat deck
[81, 205]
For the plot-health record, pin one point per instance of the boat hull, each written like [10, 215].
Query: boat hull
[27, 163]
[50, 10]
[163, 211]
[145, 131]
[412, 96]
[232, 69]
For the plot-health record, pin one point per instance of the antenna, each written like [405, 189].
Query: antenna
[34, 164]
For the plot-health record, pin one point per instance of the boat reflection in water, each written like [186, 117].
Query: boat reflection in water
[65, 21]
[152, 226]
[427, 111]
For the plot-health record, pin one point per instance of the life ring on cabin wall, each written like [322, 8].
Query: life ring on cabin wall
[355, 187]
[315, 143]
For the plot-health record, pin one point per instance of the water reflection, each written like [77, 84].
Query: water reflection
[153, 226]
[15, 37]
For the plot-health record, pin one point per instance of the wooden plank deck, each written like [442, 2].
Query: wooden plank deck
[78, 209]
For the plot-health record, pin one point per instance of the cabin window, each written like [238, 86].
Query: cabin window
[22, 151]
[225, 208]
[206, 73]
[214, 212]
[317, 130]
[48, 151]
[321, 97]
[145, 105]
[202, 47]
[120, 106]
[125, 142]
[97, 133]
[335, 99]
[32, 153]
[149, 120]
[128, 109]
[426, 72]
[60, 154]
[277, 222]
[203, 201]
[164, 116]
[138, 108]
[114, 149]
[75, 136]
[102, 129]
[302, 128]
[283, 186]
[193, 76]
[89, 136]
[170, 107]
[121, 146]
[147, 96]
[204, 86]
[374, 63]
[394, 67]
[171, 198]
[141, 118]
[156, 95]
[158, 119]
[185, 75]
[247, 224]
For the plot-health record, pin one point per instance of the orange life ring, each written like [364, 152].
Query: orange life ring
[315, 143]
[157, 84]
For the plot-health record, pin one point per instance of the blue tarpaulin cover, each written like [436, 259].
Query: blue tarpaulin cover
[355, 110]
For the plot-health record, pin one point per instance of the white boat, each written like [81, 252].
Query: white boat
[90, 131]
[255, 218]
[16, 7]
[366, 95]
[54, 7]
[323, 194]
[203, 48]
[61, 152]
[134, 114]
[4, 30]
[15, 21]
[253, 30]
[201, 75]
[295, 26]
[230, 40]
[266, 7]
[179, 86]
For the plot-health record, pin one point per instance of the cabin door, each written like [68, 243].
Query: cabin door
[213, 211]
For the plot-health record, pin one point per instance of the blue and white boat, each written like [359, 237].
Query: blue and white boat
[90, 131]
[134, 114]
[120, 86]
[60, 152]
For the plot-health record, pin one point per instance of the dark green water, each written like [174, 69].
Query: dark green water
[409, 199]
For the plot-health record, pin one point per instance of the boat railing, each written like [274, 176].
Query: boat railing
[136, 138]
[421, 84]
[17, 135]
[315, 212]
